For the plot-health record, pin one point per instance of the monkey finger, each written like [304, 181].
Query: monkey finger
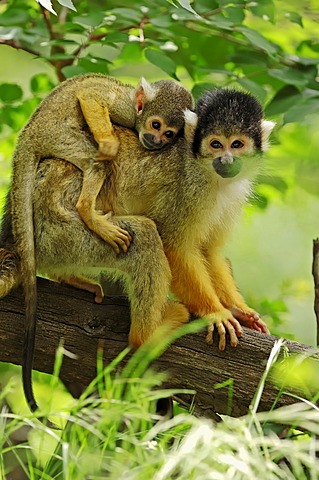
[250, 319]
[236, 325]
[124, 238]
[98, 299]
[210, 334]
[222, 335]
[115, 246]
[260, 326]
[233, 333]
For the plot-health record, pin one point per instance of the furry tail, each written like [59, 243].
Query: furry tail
[23, 181]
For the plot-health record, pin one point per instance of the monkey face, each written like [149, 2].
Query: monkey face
[155, 133]
[228, 153]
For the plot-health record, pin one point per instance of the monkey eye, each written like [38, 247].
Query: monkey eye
[216, 144]
[237, 144]
[156, 125]
[169, 134]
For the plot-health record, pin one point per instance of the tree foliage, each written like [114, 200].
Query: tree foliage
[268, 48]
[209, 41]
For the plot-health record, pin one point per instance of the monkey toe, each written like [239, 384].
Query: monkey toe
[225, 324]
[250, 319]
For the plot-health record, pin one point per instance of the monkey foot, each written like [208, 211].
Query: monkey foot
[84, 284]
[250, 319]
[224, 323]
[117, 237]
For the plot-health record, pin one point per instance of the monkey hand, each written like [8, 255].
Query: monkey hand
[117, 237]
[224, 322]
[249, 318]
[108, 148]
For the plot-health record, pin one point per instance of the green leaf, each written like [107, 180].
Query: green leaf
[92, 19]
[248, 56]
[128, 13]
[235, 14]
[94, 64]
[265, 10]
[283, 100]
[274, 181]
[115, 37]
[258, 40]
[162, 61]
[72, 70]
[292, 76]
[73, 27]
[187, 6]
[47, 5]
[253, 88]
[299, 111]
[41, 83]
[14, 16]
[10, 92]
[294, 18]
[259, 200]
[200, 88]
[67, 3]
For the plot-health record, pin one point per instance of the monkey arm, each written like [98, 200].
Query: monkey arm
[222, 279]
[192, 284]
[97, 117]
[99, 223]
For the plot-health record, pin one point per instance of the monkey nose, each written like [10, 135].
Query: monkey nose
[227, 170]
[151, 142]
[226, 159]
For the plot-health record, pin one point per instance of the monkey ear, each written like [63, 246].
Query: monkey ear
[266, 129]
[145, 92]
[190, 124]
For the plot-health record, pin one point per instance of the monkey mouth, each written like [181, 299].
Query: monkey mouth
[151, 145]
[227, 170]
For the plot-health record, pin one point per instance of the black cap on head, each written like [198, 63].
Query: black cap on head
[228, 112]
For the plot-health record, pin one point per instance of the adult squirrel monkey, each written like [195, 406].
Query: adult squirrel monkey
[178, 205]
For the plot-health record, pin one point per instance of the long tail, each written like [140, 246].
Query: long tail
[24, 170]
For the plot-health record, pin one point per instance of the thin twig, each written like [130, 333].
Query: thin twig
[315, 273]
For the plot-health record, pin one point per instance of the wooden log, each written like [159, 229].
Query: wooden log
[70, 314]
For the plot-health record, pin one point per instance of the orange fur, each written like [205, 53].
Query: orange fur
[175, 314]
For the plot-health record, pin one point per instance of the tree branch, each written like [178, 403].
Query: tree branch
[315, 274]
[69, 314]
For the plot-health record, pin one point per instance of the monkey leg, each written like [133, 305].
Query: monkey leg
[144, 269]
[97, 116]
[93, 178]
[223, 281]
[82, 284]
[149, 281]
[191, 283]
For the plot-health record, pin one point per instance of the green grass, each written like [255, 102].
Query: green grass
[116, 434]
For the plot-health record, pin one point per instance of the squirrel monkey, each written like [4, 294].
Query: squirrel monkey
[191, 192]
